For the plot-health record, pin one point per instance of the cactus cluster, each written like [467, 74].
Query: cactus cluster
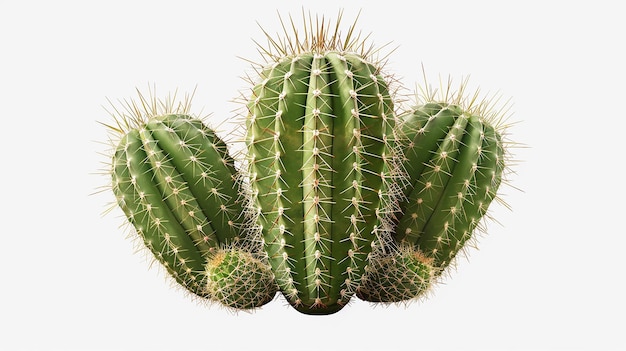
[341, 191]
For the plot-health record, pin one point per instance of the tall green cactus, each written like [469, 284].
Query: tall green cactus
[320, 165]
[174, 180]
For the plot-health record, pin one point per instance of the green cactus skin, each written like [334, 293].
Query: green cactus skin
[175, 182]
[240, 280]
[455, 159]
[316, 135]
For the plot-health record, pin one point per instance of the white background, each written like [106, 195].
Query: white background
[549, 276]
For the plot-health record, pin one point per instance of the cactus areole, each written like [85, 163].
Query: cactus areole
[337, 194]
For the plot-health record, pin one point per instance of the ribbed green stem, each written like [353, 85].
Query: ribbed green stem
[452, 186]
[204, 163]
[441, 235]
[317, 145]
[143, 202]
[431, 184]
[177, 186]
[423, 128]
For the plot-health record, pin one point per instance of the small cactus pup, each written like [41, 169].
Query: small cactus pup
[174, 180]
[398, 276]
[456, 157]
[319, 160]
[240, 279]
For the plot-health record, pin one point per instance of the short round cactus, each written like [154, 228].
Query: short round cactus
[402, 276]
[239, 280]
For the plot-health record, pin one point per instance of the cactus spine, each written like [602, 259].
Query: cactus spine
[320, 162]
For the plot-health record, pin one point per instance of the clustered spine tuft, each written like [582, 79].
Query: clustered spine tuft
[340, 193]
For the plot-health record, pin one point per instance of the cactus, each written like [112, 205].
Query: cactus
[177, 185]
[337, 194]
[455, 157]
[239, 280]
[320, 164]
[401, 276]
